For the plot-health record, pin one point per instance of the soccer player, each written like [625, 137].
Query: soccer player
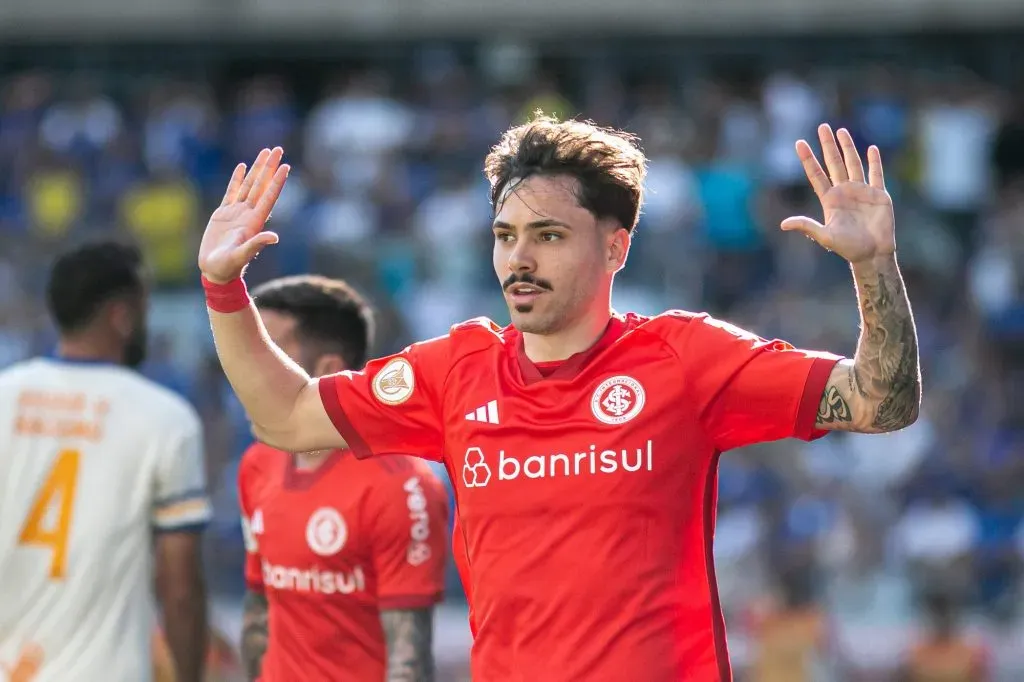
[345, 559]
[101, 481]
[583, 443]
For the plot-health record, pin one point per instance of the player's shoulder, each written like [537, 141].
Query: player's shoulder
[41, 371]
[259, 458]
[16, 374]
[119, 385]
[395, 478]
[477, 334]
[393, 468]
[160, 402]
[462, 339]
[675, 322]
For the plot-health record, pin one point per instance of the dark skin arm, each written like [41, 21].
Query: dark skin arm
[409, 635]
[181, 591]
[880, 390]
[255, 631]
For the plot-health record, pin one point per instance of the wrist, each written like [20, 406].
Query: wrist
[875, 263]
[226, 297]
[216, 281]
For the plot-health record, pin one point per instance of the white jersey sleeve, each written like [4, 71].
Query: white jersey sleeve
[180, 501]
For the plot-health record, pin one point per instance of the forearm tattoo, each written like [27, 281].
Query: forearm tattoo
[409, 636]
[881, 390]
[833, 407]
[255, 631]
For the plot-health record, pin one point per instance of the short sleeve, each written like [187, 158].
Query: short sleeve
[409, 520]
[180, 500]
[251, 520]
[747, 389]
[393, 406]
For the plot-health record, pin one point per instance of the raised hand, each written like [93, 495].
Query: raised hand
[859, 223]
[235, 233]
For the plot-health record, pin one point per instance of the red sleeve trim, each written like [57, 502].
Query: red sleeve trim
[332, 404]
[410, 601]
[254, 586]
[807, 413]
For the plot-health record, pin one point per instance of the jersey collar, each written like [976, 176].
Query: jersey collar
[301, 479]
[574, 363]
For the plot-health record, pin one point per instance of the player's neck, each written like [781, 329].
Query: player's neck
[308, 461]
[88, 349]
[568, 342]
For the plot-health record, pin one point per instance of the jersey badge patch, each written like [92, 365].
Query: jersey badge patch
[617, 400]
[395, 382]
[326, 532]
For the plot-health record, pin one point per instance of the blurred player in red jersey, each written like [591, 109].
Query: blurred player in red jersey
[345, 559]
[583, 443]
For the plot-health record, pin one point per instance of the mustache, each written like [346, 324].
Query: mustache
[525, 278]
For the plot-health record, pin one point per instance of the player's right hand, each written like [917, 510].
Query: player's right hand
[235, 233]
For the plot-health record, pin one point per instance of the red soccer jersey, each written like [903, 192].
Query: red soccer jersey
[586, 496]
[331, 548]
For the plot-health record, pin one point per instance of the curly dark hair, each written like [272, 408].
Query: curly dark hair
[88, 275]
[607, 164]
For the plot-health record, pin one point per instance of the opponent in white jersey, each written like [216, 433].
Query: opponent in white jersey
[101, 477]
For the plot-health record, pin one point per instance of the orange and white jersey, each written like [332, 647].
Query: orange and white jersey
[94, 459]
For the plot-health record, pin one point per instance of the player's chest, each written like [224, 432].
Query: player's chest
[298, 529]
[612, 431]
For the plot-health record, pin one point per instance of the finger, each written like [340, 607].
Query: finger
[833, 157]
[254, 172]
[876, 178]
[233, 184]
[809, 228]
[252, 248]
[266, 176]
[817, 177]
[854, 166]
[273, 191]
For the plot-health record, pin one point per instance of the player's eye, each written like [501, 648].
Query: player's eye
[503, 236]
[550, 236]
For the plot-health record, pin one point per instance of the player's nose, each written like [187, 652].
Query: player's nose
[521, 259]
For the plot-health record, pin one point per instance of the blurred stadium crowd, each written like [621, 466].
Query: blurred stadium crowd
[388, 193]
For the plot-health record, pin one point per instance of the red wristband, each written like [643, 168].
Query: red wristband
[229, 297]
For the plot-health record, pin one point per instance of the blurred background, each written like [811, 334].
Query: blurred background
[853, 558]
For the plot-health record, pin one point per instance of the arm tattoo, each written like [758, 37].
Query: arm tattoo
[409, 634]
[887, 356]
[833, 407]
[255, 631]
[881, 390]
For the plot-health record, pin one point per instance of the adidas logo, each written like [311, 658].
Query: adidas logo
[485, 413]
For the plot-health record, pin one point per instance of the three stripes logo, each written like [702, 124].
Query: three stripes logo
[485, 413]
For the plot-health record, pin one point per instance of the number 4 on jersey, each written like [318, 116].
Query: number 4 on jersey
[41, 528]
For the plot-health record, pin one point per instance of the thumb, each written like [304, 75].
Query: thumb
[254, 245]
[807, 226]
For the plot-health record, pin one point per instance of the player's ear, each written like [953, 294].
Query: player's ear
[328, 363]
[121, 317]
[618, 249]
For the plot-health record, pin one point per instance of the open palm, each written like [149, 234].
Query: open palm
[235, 233]
[859, 223]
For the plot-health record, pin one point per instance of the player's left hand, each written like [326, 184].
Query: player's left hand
[859, 223]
